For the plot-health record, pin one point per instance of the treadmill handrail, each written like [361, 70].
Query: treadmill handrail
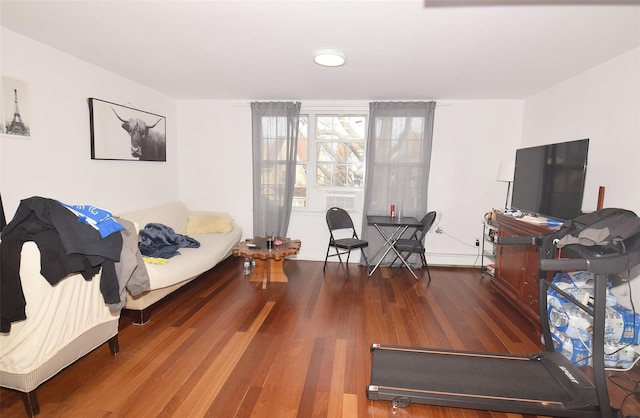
[603, 264]
[560, 264]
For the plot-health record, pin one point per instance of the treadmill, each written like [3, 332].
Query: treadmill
[544, 383]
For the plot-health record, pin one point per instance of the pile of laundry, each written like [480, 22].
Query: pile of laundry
[72, 239]
[159, 241]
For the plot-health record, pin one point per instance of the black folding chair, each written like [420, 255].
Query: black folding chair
[340, 223]
[415, 244]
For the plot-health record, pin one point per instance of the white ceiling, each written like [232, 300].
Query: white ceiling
[396, 50]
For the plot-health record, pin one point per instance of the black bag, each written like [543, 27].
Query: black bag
[606, 228]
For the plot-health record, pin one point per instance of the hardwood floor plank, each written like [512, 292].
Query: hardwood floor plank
[337, 379]
[281, 393]
[349, 405]
[311, 386]
[224, 347]
[242, 389]
[141, 367]
[452, 337]
[176, 371]
[198, 401]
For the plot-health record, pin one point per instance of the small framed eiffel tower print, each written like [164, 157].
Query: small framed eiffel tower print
[15, 110]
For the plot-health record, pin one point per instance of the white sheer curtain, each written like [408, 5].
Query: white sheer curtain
[275, 139]
[399, 142]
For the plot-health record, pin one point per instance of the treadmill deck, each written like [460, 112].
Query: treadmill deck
[542, 383]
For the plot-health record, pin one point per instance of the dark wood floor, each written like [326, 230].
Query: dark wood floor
[224, 347]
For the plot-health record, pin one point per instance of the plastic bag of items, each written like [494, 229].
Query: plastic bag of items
[572, 327]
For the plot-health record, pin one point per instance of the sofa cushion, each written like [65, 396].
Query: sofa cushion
[173, 214]
[209, 223]
[194, 261]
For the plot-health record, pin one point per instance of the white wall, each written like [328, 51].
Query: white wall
[56, 160]
[209, 147]
[602, 104]
[470, 139]
[209, 153]
[215, 162]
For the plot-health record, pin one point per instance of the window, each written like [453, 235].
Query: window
[331, 160]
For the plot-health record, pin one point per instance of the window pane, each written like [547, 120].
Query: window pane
[340, 152]
[300, 186]
[340, 175]
[344, 127]
[303, 139]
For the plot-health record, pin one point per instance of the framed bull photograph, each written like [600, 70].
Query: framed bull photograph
[123, 133]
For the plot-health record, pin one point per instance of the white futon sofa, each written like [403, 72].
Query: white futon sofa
[216, 232]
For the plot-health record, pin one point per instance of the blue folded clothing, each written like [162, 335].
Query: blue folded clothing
[98, 218]
[161, 241]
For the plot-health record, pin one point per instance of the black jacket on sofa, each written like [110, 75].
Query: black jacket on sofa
[66, 245]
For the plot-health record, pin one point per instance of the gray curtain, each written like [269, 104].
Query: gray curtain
[275, 139]
[399, 140]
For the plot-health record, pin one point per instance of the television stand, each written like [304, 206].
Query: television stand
[516, 275]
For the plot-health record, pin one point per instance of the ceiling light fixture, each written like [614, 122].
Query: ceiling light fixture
[330, 58]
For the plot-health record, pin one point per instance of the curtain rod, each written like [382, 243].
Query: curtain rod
[331, 106]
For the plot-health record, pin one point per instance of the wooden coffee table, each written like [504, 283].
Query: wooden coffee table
[269, 263]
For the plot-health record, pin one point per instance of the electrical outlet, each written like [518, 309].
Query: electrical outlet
[477, 242]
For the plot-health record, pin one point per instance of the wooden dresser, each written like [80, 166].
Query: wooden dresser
[516, 275]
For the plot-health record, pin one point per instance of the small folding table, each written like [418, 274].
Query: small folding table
[401, 225]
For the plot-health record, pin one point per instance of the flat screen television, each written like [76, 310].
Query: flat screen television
[549, 179]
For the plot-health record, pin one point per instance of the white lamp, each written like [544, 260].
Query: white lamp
[330, 58]
[505, 173]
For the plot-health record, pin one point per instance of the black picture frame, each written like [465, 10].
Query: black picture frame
[123, 133]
